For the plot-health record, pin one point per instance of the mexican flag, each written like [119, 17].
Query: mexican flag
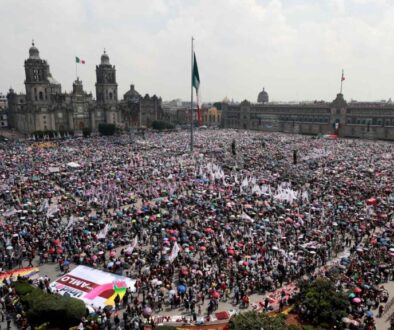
[196, 76]
[78, 60]
[196, 85]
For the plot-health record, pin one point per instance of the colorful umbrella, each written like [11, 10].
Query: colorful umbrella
[215, 295]
[181, 288]
[357, 290]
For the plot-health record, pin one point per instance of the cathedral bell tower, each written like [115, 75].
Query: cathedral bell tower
[106, 86]
[36, 83]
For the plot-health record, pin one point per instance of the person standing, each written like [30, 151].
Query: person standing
[8, 319]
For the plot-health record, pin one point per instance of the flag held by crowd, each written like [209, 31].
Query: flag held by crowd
[103, 233]
[174, 252]
[132, 246]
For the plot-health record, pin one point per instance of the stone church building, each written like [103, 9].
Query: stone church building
[45, 107]
[367, 120]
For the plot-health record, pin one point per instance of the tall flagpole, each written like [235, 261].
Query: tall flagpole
[191, 103]
[341, 82]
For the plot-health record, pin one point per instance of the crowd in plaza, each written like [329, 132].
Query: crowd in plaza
[202, 230]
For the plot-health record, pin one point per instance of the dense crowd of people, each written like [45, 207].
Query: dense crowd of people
[244, 214]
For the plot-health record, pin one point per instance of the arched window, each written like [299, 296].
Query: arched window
[40, 96]
[110, 95]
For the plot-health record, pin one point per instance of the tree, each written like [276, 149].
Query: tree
[58, 311]
[159, 125]
[218, 105]
[319, 302]
[86, 132]
[252, 320]
[38, 134]
[107, 129]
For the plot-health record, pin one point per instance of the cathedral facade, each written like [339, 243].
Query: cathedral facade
[45, 107]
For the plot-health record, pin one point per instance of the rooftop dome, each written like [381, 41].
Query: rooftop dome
[34, 54]
[226, 100]
[105, 58]
[263, 97]
[131, 94]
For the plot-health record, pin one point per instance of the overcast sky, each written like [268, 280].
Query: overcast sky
[294, 48]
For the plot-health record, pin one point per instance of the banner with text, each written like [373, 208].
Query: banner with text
[95, 287]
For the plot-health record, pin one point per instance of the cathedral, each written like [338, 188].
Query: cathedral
[45, 107]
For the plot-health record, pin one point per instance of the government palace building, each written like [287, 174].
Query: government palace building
[45, 107]
[369, 120]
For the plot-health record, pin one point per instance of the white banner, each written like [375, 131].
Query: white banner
[95, 287]
[174, 252]
[103, 233]
[132, 246]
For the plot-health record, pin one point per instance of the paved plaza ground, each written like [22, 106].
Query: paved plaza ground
[245, 210]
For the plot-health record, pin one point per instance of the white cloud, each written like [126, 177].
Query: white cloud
[296, 49]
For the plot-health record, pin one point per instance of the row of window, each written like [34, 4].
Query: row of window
[371, 121]
[371, 111]
[233, 123]
[211, 118]
[289, 110]
[322, 120]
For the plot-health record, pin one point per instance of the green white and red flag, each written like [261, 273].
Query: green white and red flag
[78, 60]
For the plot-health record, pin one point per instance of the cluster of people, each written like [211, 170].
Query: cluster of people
[228, 223]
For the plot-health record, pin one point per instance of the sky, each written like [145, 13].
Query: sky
[296, 49]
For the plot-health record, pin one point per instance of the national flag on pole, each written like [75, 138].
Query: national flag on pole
[78, 60]
[174, 252]
[343, 77]
[196, 76]
[196, 85]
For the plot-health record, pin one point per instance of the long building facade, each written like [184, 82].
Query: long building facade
[369, 120]
[45, 107]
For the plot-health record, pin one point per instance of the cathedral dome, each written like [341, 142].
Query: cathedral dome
[132, 95]
[33, 52]
[104, 58]
[263, 97]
